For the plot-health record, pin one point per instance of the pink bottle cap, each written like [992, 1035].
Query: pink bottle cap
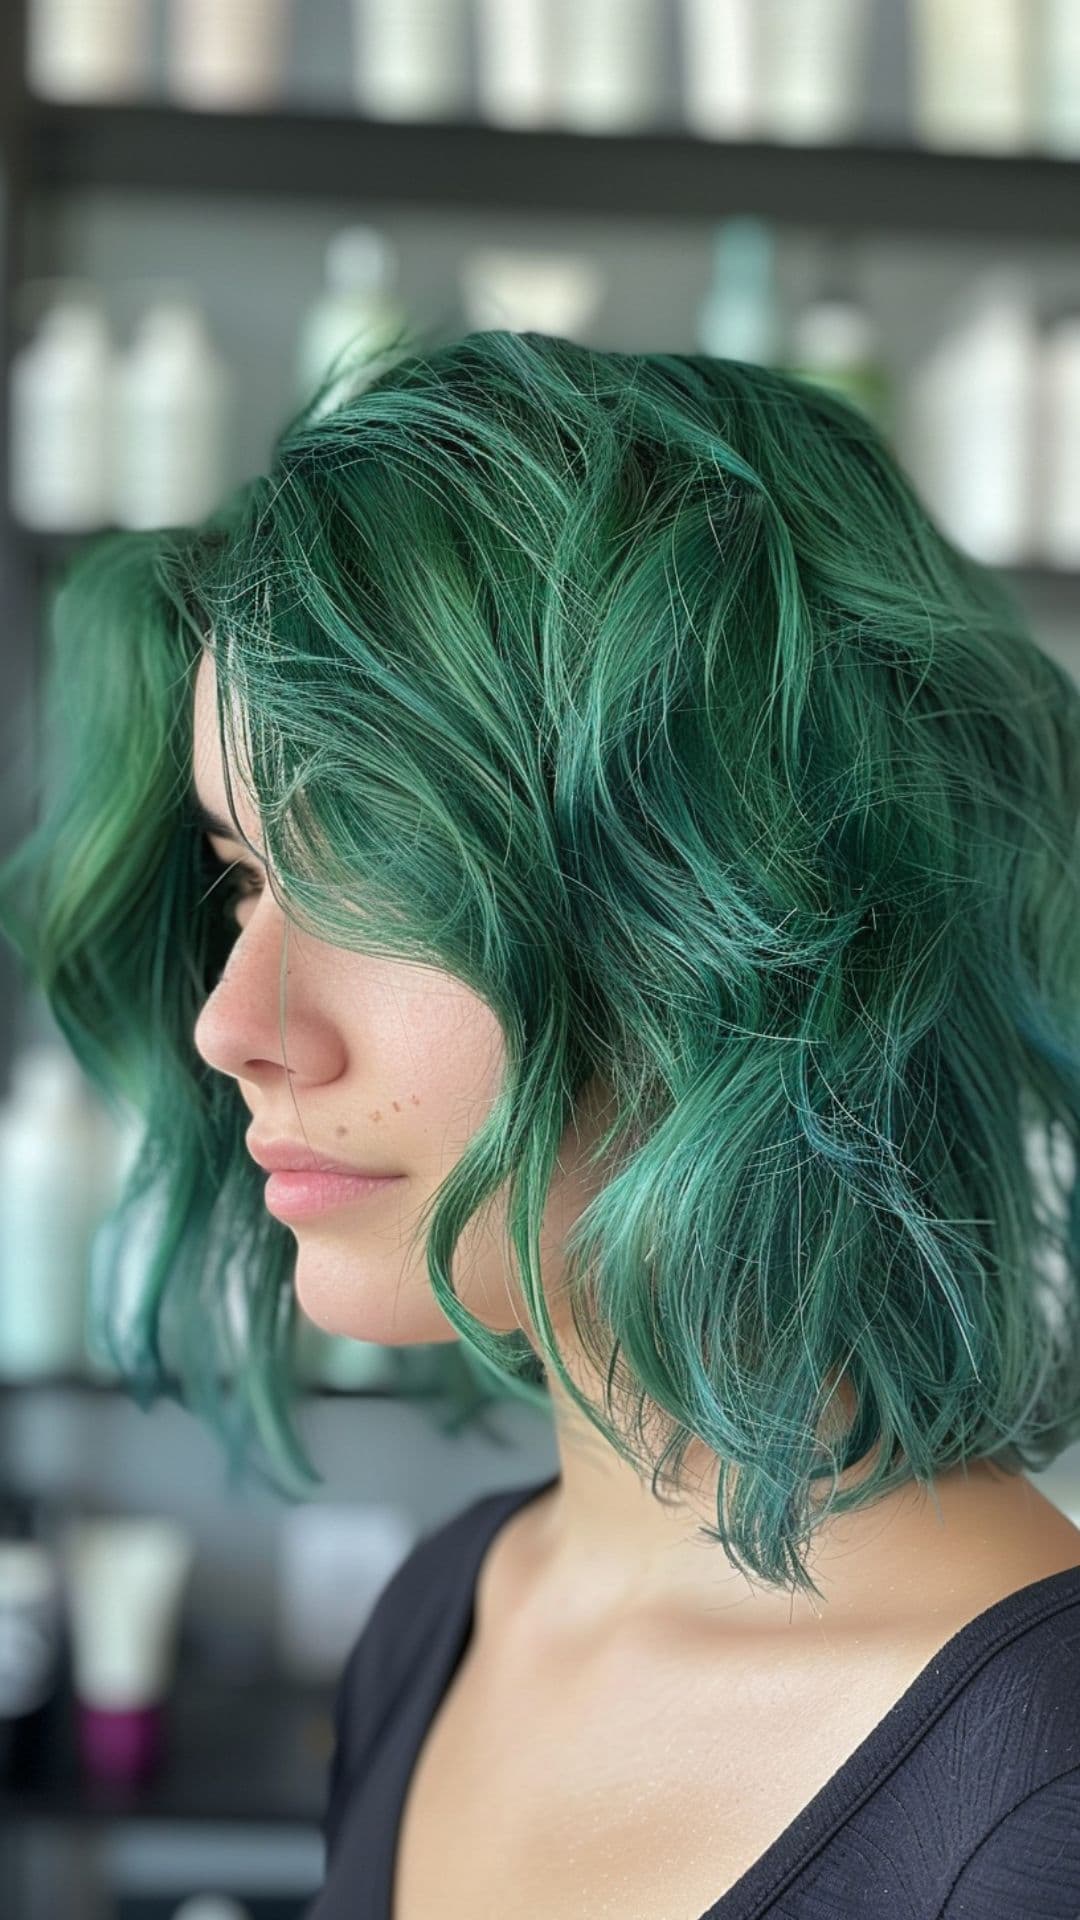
[119, 1743]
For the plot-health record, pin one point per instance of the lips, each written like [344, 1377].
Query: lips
[287, 1156]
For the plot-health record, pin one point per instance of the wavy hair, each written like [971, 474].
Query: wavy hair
[641, 693]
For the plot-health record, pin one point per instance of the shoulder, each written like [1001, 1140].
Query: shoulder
[1028, 1866]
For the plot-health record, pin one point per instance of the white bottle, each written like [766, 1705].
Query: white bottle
[88, 49]
[973, 74]
[1057, 78]
[814, 56]
[355, 311]
[410, 58]
[971, 426]
[608, 64]
[531, 290]
[52, 1167]
[720, 68]
[739, 318]
[59, 419]
[226, 57]
[835, 341]
[515, 62]
[1057, 517]
[171, 399]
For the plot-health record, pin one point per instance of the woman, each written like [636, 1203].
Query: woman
[588, 791]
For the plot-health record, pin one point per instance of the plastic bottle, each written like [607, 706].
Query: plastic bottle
[88, 49]
[608, 64]
[1057, 463]
[834, 341]
[720, 68]
[973, 74]
[211, 1906]
[356, 310]
[410, 58]
[1056, 111]
[814, 56]
[226, 56]
[171, 398]
[51, 1175]
[59, 419]
[515, 62]
[739, 318]
[525, 289]
[972, 421]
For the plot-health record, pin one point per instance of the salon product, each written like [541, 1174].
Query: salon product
[739, 317]
[515, 62]
[813, 58]
[608, 64]
[356, 311]
[31, 1626]
[51, 1169]
[1056, 530]
[1056, 88]
[59, 449]
[973, 73]
[834, 342]
[226, 56]
[411, 58]
[171, 398]
[333, 1562]
[719, 54]
[972, 420]
[88, 49]
[523, 288]
[124, 1581]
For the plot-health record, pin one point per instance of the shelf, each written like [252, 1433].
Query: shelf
[47, 550]
[251, 1752]
[86, 1383]
[875, 187]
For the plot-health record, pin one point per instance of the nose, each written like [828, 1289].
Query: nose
[239, 1030]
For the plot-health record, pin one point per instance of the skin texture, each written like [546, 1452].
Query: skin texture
[391, 1068]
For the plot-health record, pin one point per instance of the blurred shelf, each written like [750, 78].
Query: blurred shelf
[88, 1384]
[881, 187]
[272, 1768]
[48, 550]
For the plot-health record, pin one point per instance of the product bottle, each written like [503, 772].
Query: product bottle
[31, 1638]
[739, 318]
[356, 311]
[720, 68]
[515, 62]
[59, 419]
[411, 58]
[171, 397]
[88, 49]
[1056, 127]
[1057, 460]
[972, 422]
[814, 56]
[608, 64]
[973, 74]
[834, 341]
[226, 57]
[51, 1179]
[526, 289]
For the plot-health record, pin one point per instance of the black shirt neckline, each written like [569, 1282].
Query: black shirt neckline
[881, 1750]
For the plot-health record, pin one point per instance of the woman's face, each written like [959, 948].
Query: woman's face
[391, 1068]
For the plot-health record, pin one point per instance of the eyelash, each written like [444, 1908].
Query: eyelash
[239, 885]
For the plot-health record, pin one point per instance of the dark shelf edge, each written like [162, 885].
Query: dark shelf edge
[668, 171]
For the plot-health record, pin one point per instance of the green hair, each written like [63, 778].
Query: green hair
[640, 693]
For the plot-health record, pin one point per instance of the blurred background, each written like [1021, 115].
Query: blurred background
[202, 201]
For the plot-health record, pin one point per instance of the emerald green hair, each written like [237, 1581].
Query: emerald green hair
[642, 694]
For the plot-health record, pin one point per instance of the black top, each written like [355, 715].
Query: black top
[963, 1803]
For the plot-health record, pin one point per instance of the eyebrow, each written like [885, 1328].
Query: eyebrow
[210, 822]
